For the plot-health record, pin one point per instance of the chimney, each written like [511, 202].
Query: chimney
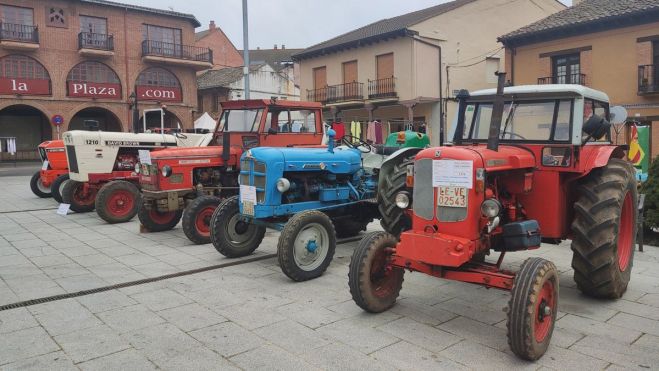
[275, 47]
[211, 26]
[283, 46]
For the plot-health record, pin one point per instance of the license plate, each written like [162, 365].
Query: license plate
[452, 196]
[248, 208]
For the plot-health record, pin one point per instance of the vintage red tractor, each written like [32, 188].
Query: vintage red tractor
[189, 183]
[528, 164]
[54, 170]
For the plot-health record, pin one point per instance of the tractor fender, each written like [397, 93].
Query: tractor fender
[595, 156]
[394, 159]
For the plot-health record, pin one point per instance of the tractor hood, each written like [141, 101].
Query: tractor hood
[192, 152]
[506, 158]
[341, 161]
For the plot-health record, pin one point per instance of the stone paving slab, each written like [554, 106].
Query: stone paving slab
[252, 317]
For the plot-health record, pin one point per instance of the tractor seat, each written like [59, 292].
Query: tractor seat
[381, 149]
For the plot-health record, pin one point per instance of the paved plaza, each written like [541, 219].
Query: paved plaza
[250, 316]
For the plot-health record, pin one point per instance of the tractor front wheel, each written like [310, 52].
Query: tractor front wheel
[118, 201]
[37, 186]
[604, 230]
[232, 236]
[393, 218]
[532, 308]
[197, 217]
[57, 187]
[155, 221]
[306, 245]
[374, 284]
[79, 195]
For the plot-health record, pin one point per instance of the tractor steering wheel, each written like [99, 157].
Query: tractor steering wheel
[349, 141]
[512, 134]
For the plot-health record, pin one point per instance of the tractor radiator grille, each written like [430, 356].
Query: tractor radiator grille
[72, 159]
[253, 173]
[423, 198]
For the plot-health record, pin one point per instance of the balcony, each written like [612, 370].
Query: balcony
[350, 92]
[382, 88]
[575, 78]
[648, 81]
[95, 44]
[19, 36]
[177, 54]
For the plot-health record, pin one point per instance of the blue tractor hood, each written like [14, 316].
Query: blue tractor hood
[341, 161]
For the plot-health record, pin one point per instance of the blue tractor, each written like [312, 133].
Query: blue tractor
[311, 195]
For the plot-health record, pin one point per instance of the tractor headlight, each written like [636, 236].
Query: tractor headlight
[166, 171]
[490, 208]
[283, 185]
[402, 200]
[137, 168]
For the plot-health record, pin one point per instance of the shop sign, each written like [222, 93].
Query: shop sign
[24, 86]
[94, 90]
[159, 93]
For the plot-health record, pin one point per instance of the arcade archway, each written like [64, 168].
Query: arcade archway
[171, 121]
[29, 126]
[95, 118]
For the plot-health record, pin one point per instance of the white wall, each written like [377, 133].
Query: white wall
[265, 83]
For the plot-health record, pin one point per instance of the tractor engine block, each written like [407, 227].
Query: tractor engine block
[125, 162]
[207, 176]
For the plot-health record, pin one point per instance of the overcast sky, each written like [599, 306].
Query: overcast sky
[295, 23]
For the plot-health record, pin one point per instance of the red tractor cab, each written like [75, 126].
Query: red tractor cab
[189, 183]
[526, 164]
[54, 170]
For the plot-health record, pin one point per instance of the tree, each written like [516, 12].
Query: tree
[651, 190]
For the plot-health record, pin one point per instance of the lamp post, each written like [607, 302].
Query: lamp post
[245, 50]
[136, 111]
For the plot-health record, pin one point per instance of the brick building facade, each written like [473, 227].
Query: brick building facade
[83, 59]
[224, 52]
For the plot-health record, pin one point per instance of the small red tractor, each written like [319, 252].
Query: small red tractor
[526, 164]
[189, 183]
[54, 170]
[102, 167]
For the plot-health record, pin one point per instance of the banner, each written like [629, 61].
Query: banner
[158, 93]
[639, 147]
[24, 86]
[94, 90]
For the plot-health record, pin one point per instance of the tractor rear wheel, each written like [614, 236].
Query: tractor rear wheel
[197, 217]
[306, 245]
[79, 195]
[374, 285]
[532, 308]
[37, 186]
[155, 221]
[393, 219]
[118, 201]
[604, 230]
[348, 227]
[57, 187]
[231, 236]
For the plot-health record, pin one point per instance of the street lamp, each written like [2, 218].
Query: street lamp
[136, 112]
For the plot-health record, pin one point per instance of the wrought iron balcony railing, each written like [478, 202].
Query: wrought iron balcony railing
[178, 51]
[575, 78]
[19, 32]
[382, 88]
[89, 40]
[337, 93]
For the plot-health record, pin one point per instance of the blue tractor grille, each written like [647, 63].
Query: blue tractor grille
[253, 173]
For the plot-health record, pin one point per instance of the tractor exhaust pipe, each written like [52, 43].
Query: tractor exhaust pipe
[497, 114]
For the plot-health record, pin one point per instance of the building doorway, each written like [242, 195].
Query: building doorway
[29, 126]
[95, 118]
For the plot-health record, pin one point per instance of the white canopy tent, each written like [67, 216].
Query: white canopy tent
[205, 121]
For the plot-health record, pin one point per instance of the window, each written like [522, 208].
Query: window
[162, 40]
[19, 66]
[292, 121]
[385, 66]
[521, 120]
[16, 15]
[93, 72]
[247, 120]
[567, 69]
[598, 108]
[200, 103]
[93, 25]
[157, 77]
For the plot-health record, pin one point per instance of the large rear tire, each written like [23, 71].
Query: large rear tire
[118, 201]
[373, 285]
[532, 308]
[57, 187]
[306, 245]
[155, 221]
[604, 230]
[231, 236]
[393, 219]
[197, 217]
[80, 196]
[37, 186]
